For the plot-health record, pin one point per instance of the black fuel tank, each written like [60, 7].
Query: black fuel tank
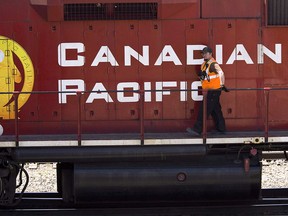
[212, 177]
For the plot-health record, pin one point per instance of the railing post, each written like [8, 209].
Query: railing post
[141, 92]
[266, 93]
[204, 129]
[15, 96]
[79, 125]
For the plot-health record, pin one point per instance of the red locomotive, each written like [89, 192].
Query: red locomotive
[107, 89]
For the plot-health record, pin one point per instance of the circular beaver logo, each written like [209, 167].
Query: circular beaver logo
[16, 74]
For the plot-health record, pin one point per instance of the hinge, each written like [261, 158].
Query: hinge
[14, 72]
[8, 108]
[7, 52]
[8, 80]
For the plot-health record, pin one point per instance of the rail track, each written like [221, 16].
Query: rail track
[273, 202]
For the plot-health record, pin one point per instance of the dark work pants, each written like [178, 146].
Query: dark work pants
[214, 109]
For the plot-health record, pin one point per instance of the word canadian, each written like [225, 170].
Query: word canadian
[167, 54]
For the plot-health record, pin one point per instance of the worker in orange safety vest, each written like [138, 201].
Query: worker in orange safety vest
[212, 79]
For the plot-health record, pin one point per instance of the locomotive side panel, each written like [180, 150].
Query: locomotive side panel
[153, 55]
[235, 9]
[275, 74]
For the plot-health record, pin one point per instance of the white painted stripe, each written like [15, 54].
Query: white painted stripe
[7, 144]
[109, 142]
[187, 141]
[277, 139]
[238, 140]
[173, 141]
[47, 143]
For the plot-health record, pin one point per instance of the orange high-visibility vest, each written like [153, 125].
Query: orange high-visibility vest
[214, 82]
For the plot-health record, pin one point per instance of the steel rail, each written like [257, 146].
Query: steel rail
[49, 203]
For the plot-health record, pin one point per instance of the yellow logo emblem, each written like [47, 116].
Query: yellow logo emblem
[15, 73]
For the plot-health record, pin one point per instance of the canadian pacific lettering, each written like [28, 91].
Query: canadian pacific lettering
[167, 54]
[69, 87]
[163, 88]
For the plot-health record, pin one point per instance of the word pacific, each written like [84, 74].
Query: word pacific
[128, 91]
[167, 54]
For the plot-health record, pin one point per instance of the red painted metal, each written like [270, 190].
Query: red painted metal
[228, 8]
[38, 26]
[247, 165]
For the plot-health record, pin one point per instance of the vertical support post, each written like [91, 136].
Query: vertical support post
[79, 125]
[266, 94]
[204, 129]
[142, 116]
[15, 96]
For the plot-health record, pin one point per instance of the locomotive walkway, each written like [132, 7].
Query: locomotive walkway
[230, 137]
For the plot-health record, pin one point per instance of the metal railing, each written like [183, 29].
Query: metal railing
[266, 91]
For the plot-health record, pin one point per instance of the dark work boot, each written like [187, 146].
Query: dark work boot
[192, 132]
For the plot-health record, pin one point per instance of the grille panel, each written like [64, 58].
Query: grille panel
[113, 11]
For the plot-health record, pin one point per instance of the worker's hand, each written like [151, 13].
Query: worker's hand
[223, 88]
[202, 75]
[199, 73]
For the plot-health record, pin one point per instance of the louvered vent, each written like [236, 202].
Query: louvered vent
[277, 12]
[115, 11]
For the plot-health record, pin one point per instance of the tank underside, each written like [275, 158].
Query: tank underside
[167, 179]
